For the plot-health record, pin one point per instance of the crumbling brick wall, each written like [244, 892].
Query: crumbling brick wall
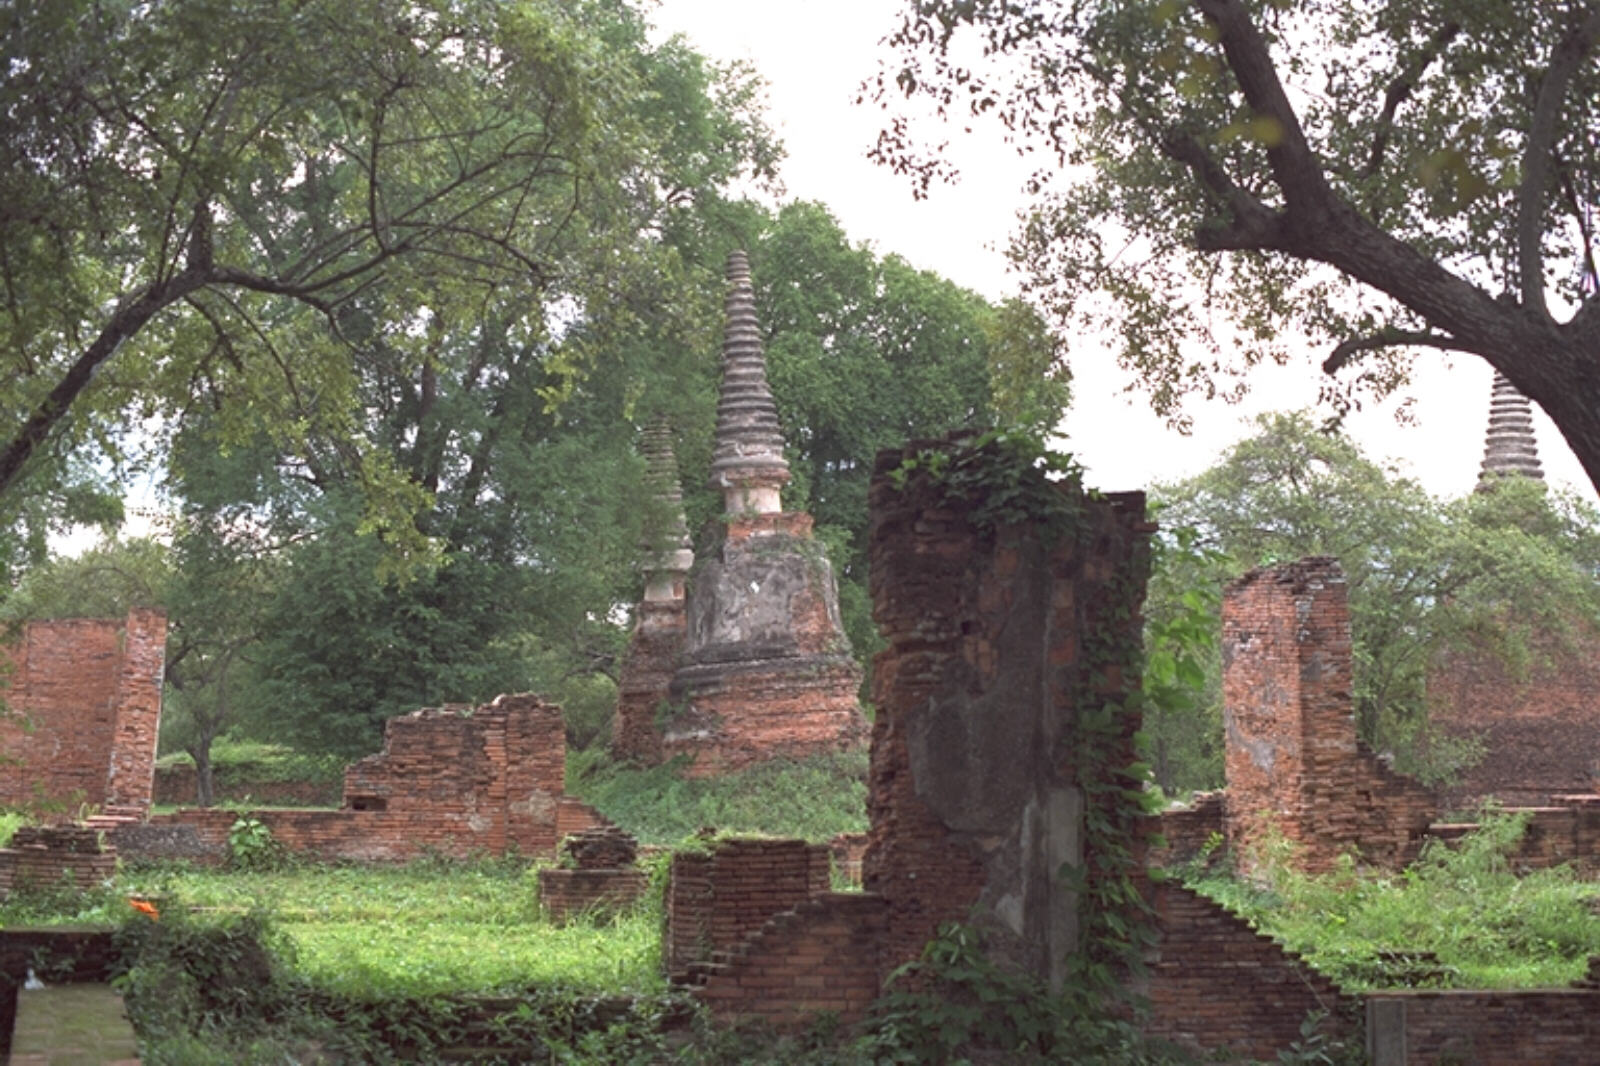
[1294, 765]
[1566, 831]
[718, 898]
[494, 774]
[1214, 982]
[823, 955]
[451, 780]
[996, 641]
[90, 692]
[42, 857]
[1538, 730]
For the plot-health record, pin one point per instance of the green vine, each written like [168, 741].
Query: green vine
[1009, 477]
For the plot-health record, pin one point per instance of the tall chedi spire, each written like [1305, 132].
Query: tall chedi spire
[766, 667]
[1509, 447]
[748, 465]
[657, 639]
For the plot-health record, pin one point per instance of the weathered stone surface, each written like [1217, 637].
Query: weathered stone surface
[1541, 732]
[90, 693]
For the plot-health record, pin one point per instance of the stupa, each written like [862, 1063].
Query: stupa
[1509, 447]
[658, 633]
[765, 669]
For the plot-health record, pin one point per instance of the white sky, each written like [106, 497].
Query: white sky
[814, 56]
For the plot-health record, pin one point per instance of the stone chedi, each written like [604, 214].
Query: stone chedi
[764, 668]
[658, 635]
[1509, 447]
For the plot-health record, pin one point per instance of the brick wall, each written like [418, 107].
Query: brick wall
[1566, 831]
[1292, 759]
[91, 691]
[452, 781]
[823, 955]
[1187, 830]
[177, 786]
[1452, 1027]
[43, 856]
[565, 894]
[1214, 982]
[1538, 730]
[716, 899]
[972, 795]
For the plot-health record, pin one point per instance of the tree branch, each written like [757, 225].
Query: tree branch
[1565, 60]
[1387, 338]
[1294, 166]
[1400, 90]
[127, 320]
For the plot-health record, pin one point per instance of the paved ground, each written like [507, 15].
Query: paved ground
[72, 1025]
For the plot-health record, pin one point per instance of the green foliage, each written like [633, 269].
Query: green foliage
[1489, 926]
[1231, 179]
[815, 798]
[1495, 573]
[251, 846]
[10, 822]
[251, 760]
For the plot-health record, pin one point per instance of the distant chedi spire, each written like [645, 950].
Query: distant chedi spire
[1509, 446]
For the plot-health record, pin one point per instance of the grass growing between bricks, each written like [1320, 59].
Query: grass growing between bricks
[1484, 925]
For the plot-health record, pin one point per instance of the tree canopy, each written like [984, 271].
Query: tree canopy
[1486, 572]
[1374, 176]
[223, 205]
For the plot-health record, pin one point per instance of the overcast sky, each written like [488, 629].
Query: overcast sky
[814, 55]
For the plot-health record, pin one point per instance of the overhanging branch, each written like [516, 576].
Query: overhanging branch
[1388, 338]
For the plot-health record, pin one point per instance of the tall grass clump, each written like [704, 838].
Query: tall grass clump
[1486, 925]
[813, 798]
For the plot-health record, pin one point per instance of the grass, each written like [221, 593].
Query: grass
[1488, 926]
[815, 798]
[427, 929]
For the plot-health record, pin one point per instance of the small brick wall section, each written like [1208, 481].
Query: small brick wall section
[178, 786]
[1453, 1027]
[1293, 762]
[1214, 982]
[1187, 831]
[449, 781]
[568, 894]
[824, 955]
[90, 690]
[43, 857]
[1538, 731]
[1567, 831]
[718, 898]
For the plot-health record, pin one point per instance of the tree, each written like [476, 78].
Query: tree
[865, 352]
[1378, 176]
[1487, 572]
[200, 195]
